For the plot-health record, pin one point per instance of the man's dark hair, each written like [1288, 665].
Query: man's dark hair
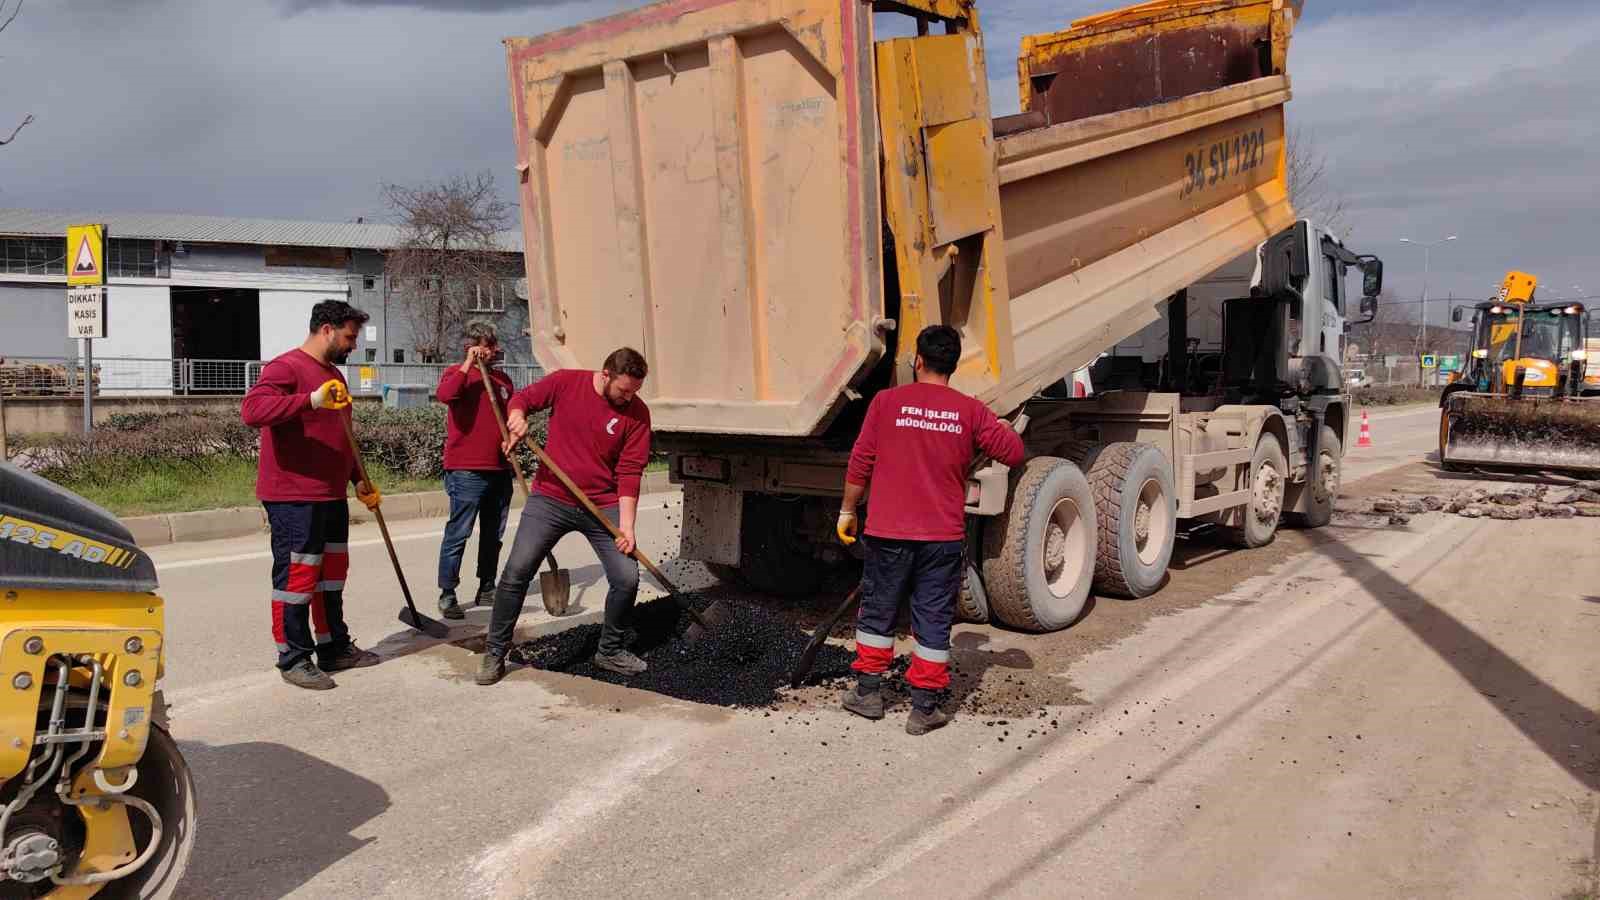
[627, 361]
[940, 348]
[335, 313]
[479, 332]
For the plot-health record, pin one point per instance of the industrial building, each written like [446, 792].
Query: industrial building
[212, 295]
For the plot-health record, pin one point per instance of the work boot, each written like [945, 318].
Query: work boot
[491, 668]
[486, 589]
[621, 662]
[351, 657]
[868, 705]
[305, 674]
[920, 722]
[448, 607]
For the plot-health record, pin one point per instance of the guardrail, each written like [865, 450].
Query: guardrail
[60, 376]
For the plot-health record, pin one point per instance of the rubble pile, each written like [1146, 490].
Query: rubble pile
[1507, 503]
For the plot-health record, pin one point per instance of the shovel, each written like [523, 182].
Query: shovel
[431, 627]
[555, 586]
[703, 622]
[808, 657]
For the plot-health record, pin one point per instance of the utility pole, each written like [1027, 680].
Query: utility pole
[1422, 325]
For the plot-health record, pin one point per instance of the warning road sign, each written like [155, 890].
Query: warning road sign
[86, 255]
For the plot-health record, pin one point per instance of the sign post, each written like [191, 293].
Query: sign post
[86, 301]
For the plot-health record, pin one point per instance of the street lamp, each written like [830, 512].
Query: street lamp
[1422, 327]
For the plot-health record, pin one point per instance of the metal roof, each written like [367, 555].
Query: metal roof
[219, 229]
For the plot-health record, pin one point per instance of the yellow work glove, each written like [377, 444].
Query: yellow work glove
[846, 528]
[332, 395]
[368, 494]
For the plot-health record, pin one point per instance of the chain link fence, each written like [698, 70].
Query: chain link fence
[59, 376]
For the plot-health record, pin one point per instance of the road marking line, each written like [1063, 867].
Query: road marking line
[511, 528]
[510, 868]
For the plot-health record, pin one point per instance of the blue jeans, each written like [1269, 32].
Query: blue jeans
[486, 497]
[544, 522]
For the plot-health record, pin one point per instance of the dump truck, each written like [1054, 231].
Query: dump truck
[95, 798]
[772, 199]
[1523, 400]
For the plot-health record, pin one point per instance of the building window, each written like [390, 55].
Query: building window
[33, 256]
[369, 283]
[492, 297]
[126, 258]
[399, 355]
[372, 354]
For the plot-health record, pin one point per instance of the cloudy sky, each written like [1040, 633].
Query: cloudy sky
[1477, 118]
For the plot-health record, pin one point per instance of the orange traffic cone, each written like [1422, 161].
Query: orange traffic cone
[1366, 432]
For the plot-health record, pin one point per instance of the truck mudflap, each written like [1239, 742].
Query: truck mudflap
[1497, 431]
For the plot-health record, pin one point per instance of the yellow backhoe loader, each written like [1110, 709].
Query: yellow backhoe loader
[95, 799]
[1520, 402]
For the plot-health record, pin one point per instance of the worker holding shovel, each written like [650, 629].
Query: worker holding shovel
[915, 450]
[302, 406]
[599, 435]
[476, 475]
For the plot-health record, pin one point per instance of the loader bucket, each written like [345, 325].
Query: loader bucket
[1496, 431]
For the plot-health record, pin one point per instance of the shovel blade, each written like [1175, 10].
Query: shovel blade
[431, 627]
[556, 589]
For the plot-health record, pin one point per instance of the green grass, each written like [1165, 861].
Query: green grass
[220, 482]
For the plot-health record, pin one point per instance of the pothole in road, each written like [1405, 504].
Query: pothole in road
[746, 662]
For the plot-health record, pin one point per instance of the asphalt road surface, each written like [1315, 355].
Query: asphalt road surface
[1363, 710]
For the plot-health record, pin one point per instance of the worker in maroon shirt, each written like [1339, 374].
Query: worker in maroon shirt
[915, 450]
[477, 477]
[599, 434]
[301, 404]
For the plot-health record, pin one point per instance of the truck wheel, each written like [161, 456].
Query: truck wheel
[1136, 512]
[1039, 556]
[1319, 511]
[1258, 517]
[972, 605]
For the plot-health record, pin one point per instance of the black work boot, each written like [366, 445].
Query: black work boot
[866, 699]
[486, 588]
[305, 674]
[448, 607]
[925, 712]
[351, 657]
[621, 662]
[491, 668]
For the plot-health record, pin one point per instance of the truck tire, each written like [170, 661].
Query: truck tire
[1269, 471]
[1319, 506]
[972, 605]
[1039, 555]
[1136, 511]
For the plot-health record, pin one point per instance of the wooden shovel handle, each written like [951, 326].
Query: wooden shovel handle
[544, 460]
[500, 419]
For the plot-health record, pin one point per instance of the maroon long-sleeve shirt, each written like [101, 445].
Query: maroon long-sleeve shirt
[601, 448]
[472, 436]
[915, 448]
[305, 453]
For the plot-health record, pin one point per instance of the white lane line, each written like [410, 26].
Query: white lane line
[512, 867]
[434, 534]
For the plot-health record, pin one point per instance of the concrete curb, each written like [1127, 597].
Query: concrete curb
[239, 521]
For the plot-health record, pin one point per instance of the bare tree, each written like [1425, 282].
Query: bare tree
[449, 255]
[1309, 188]
[26, 119]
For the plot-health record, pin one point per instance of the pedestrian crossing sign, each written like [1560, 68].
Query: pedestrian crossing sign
[86, 255]
[1429, 361]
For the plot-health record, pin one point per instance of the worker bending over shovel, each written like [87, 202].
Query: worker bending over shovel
[477, 477]
[915, 449]
[599, 434]
[300, 403]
